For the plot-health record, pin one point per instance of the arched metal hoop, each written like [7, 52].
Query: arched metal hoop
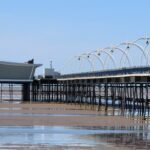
[86, 57]
[108, 51]
[98, 58]
[139, 47]
[99, 51]
[113, 49]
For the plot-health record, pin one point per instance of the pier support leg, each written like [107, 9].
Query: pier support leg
[26, 92]
[106, 98]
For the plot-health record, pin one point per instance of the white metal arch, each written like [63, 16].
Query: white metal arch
[142, 44]
[123, 52]
[98, 51]
[147, 42]
[139, 47]
[86, 57]
[148, 57]
[126, 50]
[143, 38]
[112, 49]
[99, 59]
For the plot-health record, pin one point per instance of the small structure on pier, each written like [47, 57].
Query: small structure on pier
[50, 72]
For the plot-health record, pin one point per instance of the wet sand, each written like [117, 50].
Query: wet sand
[43, 147]
[61, 115]
[52, 114]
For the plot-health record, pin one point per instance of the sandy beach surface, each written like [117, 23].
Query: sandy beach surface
[55, 114]
[60, 114]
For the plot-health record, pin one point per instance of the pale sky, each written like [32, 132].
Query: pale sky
[59, 29]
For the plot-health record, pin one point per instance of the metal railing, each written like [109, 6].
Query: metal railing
[110, 72]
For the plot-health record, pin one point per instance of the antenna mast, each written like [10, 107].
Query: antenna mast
[51, 64]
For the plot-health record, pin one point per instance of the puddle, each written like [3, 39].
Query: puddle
[62, 130]
[73, 136]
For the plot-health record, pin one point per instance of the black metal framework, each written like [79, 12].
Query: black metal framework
[132, 98]
[14, 91]
[128, 95]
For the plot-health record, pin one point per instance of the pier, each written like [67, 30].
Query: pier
[123, 88]
[128, 92]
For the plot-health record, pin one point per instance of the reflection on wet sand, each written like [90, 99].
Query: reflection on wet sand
[49, 137]
[60, 126]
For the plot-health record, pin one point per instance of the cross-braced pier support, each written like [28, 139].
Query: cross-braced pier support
[121, 96]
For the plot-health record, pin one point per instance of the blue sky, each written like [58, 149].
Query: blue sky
[58, 29]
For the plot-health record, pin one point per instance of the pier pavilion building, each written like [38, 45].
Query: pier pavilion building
[16, 74]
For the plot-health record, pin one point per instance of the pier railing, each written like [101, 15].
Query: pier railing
[110, 72]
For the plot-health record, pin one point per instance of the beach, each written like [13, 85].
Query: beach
[59, 115]
[73, 126]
